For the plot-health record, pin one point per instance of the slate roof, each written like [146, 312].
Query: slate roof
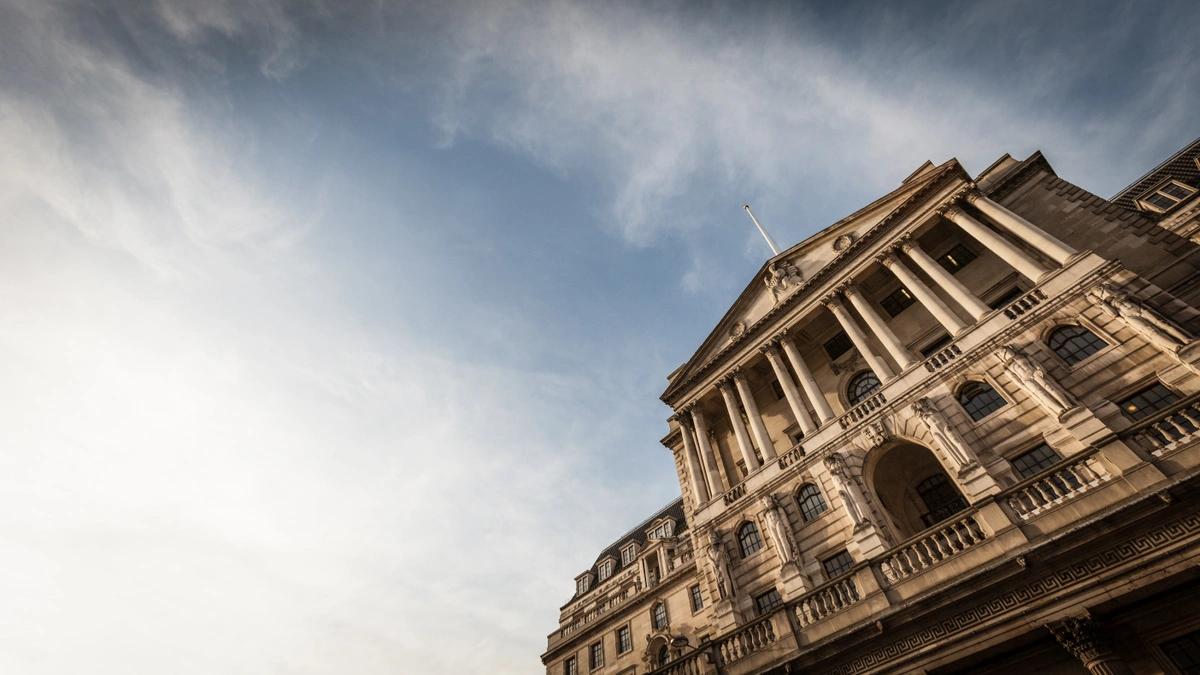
[1180, 166]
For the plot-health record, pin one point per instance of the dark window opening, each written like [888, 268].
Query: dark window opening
[812, 504]
[837, 564]
[979, 400]
[933, 347]
[1074, 343]
[837, 345]
[697, 599]
[777, 389]
[658, 617]
[767, 601]
[1148, 401]
[1184, 652]
[897, 301]
[956, 258]
[861, 386]
[624, 640]
[940, 498]
[1006, 297]
[748, 539]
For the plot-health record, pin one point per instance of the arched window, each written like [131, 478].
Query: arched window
[810, 501]
[979, 400]
[664, 656]
[861, 386]
[658, 616]
[940, 497]
[1074, 343]
[748, 539]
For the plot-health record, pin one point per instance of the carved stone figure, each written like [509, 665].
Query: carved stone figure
[1034, 379]
[782, 278]
[874, 435]
[778, 529]
[946, 436]
[719, 561]
[1146, 322]
[851, 496]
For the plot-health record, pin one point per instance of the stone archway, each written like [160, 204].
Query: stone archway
[911, 486]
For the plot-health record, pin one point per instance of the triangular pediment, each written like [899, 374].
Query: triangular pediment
[785, 275]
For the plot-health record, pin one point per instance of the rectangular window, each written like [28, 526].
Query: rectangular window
[628, 554]
[697, 599]
[838, 344]
[767, 601]
[795, 435]
[956, 258]
[1006, 297]
[1166, 196]
[897, 301]
[837, 564]
[596, 655]
[1034, 461]
[932, 348]
[1184, 652]
[777, 389]
[1148, 401]
[570, 667]
[624, 640]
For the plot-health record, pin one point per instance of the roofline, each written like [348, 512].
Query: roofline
[1161, 165]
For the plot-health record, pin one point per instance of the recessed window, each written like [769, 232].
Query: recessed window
[596, 655]
[605, 569]
[582, 584]
[796, 435]
[628, 554]
[777, 389]
[1184, 652]
[570, 667]
[1006, 297]
[933, 347]
[1166, 196]
[861, 386]
[658, 616]
[940, 497]
[748, 539]
[697, 599]
[664, 530]
[664, 656]
[837, 564]
[812, 504]
[1148, 401]
[1074, 343]
[837, 345]
[1032, 462]
[979, 399]
[956, 258]
[897, 301]
[768, 601]
[624, 640]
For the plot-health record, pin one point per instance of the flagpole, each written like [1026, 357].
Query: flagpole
[762, 230]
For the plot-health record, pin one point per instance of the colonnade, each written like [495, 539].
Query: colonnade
[843, 304]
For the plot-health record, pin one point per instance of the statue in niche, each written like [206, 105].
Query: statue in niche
[1144, 321]
[945, 435]
[782, 278]
[719, 561]
[847, 489]
[778, 529]
[1033, 378]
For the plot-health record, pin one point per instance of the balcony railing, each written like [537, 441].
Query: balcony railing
[753, 638]
[1024, 303]
[931, 547]
[1168, 429]
[1058, 484]
[826, 600]
[862, 410]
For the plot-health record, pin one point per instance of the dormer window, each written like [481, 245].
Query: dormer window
[1166, 196]
[629, 554]
[664, 529]
[605, 569]
[583, 583]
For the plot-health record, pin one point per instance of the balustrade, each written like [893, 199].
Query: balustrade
[735, 494]
[795, 454]
[753, 638]
[860, 411]
[1025, 303]
[1056, 485]
[1169, 429]
[942, 357]
[932, 547]
[826, 600]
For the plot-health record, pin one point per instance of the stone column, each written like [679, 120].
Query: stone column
[795, 402]
[765, 446]
[834, 304]
[940, 310]
[1083, 638]
[716, 485]
[814, 393]
[692, 459]
[944, 279]
[880, 328]
[1030, 233]
[739, 427]
[1007, 251]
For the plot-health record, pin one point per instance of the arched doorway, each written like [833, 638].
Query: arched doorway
[913, 488]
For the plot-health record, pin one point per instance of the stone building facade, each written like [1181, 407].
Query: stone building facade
[957, 431]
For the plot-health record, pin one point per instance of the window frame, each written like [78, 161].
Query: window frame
[1143, 387]
[628, 644]
[948, 252]
[930, 511]
[1027, 450]
[696, 598]
[774, 604]
[820, 497]
[899, 299]
[980, 382]
[864, 373]
[666, 616]
[836, 555]
[1108, 340]
[1144, 203]
[571, 665]
[838, 338]
[593, 662]
[608, 563]
[632, 549]
[743, 530]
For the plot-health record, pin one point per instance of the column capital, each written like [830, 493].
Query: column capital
[972, 196]
[726, 381]
[833, 298]
[1083, 638]
[950, 211]
[770, 347]
[888, 257]
[904, 242]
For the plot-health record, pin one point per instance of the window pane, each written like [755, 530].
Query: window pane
[748, 539]
[659, 616]
[1035, 461]
[979, 400]
[897, 301]
[1176, 190]
[861, 385]
[1184, 652]
[624, 640]
[569, 666]
[956, 258]
[941, 499]
[838, 344]
[811, 502]
[697, 599]
[1148, 401]
[837, 564]
[1074, 343]
[767, 601]
[1161, 201]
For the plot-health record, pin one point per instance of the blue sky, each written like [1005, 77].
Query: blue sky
[332, 334]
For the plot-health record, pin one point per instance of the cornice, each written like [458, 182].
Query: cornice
[1017, 176]
[951, 170]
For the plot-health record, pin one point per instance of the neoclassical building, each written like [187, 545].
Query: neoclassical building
[957, 431]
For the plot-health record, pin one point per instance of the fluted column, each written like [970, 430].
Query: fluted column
[834, 304]
[1006, 250]
[1086, 642]
[814, 393]
[739, 427]
[944, 279]
[692, 459]
[928, 299]
[794, 401]
[716, 484]
[1030, 233]
[765, 446]
[880, 328]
